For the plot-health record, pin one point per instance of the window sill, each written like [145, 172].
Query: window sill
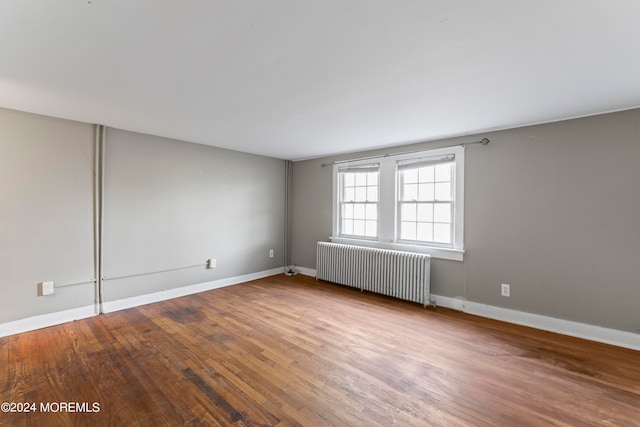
[435, 252]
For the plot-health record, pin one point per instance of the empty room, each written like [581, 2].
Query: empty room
[328, 213]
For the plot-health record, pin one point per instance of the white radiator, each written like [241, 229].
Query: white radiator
[403, 275]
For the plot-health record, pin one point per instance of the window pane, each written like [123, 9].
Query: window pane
[425, 212]
[349, 179]
[349, 194]
[442, 233]
[358, 211]
[347, 226]
[372, 211]
[443, 172]
[410, 176]
[408, 212]
[426, 174]
[357, 217]
[408, 230]
[410, 192]
[371, 228]
[442, 212]
[425, 192]
[443, 191]
[425, 232]
[372, 194]
[348, 210]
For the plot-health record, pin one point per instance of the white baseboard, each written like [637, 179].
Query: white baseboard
[537, 321]
[125, 303]
[565, 327]
[306, 271]
[46, 320]
[545, 323]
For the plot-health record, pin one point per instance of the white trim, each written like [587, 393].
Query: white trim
[46, 320]
[545, 323]
[57, 318]
[307, 271]
[536, 321]
[435, 252]
[136, 301]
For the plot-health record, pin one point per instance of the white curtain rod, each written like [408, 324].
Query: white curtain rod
[483, 141]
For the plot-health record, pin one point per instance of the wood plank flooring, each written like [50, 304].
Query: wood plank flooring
[288, 351]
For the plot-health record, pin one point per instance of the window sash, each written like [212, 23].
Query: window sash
[426, 225]
[362, 197]
[431, 228]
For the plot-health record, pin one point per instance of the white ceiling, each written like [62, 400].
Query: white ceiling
[297, 79]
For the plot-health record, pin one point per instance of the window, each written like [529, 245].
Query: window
[412, 202]
[425, 200]
[359, 200]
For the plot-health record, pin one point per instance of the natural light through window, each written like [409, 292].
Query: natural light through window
[408, 201]
[426, 201]
[359, 201]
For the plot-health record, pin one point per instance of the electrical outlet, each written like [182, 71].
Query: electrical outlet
[506, 290]
[45, 288]
[270, 253]
[211, 263]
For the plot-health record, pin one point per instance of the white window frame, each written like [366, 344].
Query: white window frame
[340, 199]
[388, 211]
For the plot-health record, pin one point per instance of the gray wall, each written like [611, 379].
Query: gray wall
[168, 204]
[46, 213]
[171, 204]
[552, 210]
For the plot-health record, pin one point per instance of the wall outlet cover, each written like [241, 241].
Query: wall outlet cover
[45, 288]
[506, 290]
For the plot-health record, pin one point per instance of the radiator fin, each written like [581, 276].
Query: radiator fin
[403, 275]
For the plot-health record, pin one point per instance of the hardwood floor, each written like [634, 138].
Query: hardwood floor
[290, 351]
